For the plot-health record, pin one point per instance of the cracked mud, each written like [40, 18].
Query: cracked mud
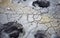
[37, 22]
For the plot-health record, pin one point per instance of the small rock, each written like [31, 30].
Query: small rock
[45, 19]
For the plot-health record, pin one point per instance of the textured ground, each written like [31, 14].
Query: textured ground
[47, 19]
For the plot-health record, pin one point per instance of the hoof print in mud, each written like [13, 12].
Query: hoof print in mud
[39, 34]
[12, 30]
[42, 3]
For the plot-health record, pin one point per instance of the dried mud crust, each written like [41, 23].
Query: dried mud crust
[32, 21]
